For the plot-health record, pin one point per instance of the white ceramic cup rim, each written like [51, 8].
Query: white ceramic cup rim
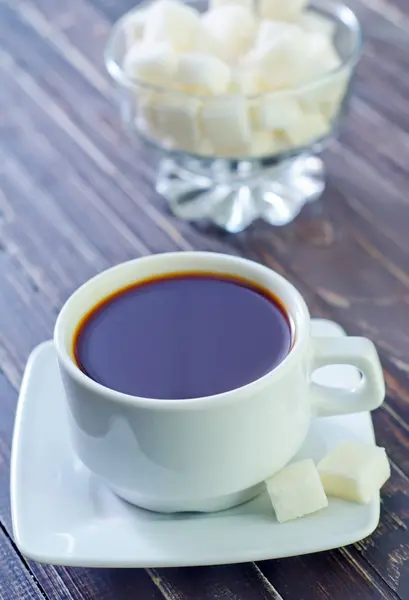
[298, 312]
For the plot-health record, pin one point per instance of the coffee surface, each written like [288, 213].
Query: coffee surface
[183, 336]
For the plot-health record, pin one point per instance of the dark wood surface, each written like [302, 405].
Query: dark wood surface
[76, 197]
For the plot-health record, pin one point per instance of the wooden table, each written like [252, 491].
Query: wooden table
[76, 197]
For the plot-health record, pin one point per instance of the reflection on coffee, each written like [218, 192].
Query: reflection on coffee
[184, 335]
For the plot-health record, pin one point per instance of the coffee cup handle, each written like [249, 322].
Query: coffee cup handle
[358, 352]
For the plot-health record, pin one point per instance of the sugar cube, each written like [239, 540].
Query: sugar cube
[315, 22]
[176, 121]
[354, 471]
[155, 65]
[202, 74]
[281, 10]
[205, 148]
[263, 143]
[234, 26]
[275, 111]
[207, 43]
[279, 61]
[309, 128]
[225, 124]
[296, 491]
[247, 81]
[173, 22]
[268, 30]
[217, 3]
[319, 57]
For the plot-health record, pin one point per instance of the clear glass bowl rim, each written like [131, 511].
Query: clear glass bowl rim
[349, 18]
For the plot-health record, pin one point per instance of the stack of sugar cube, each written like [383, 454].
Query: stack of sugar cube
[233, 81]
[353, 471]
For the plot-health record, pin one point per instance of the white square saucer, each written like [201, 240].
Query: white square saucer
[62, 514]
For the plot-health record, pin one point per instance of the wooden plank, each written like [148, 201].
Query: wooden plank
[98, 584]
[215, 583]
[113, 10]
[326, 576]
[392, 434]
[388, 548]
[386, 19]
[391, 97]
[15, 579]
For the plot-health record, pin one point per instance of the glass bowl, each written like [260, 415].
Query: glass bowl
[270, 178]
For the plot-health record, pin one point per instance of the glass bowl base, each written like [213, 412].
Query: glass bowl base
[233, 194]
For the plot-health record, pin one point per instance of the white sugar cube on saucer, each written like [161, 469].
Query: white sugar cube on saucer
[296, 491]
[202, 74]
[154, 65]
[354, 471]
[173, 22]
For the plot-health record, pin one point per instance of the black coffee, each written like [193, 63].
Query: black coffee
[183, 336]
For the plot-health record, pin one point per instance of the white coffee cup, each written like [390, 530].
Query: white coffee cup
[209, 453]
